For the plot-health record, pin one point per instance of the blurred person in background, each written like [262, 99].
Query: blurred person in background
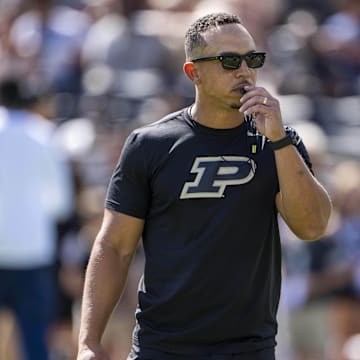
[196, 228]
[344, 315]
[46, 38]
[35, 194]
[337, 44]
[126, 63]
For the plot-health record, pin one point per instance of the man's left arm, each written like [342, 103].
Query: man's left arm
[302, 201]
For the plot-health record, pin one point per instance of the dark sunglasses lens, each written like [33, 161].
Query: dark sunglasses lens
[255, 60]
[231, 62]
[252, 61]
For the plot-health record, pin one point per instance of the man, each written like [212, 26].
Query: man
[203, 187]
[35, 193]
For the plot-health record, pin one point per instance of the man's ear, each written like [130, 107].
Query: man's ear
[191, 72]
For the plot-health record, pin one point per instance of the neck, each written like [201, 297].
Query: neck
[225, 118]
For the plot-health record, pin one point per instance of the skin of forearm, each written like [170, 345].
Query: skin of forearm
[304, 203]
[104, 282]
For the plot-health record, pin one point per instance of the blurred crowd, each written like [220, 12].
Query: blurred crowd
[82, 74]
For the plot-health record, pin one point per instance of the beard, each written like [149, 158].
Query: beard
[235, 106]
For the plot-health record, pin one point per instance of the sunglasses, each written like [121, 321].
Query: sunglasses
[253, 60]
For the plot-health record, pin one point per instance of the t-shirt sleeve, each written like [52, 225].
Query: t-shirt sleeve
[129, 191]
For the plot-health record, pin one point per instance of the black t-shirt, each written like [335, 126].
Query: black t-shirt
[211, 282]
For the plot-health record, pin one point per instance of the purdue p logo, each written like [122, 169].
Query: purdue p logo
[214, 173]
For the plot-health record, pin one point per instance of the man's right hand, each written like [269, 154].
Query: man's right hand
[93, 353]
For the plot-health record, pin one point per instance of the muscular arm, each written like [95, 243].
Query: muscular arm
[106, 275]
[302, 201]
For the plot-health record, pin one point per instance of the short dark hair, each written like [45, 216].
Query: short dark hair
[193, 36]
[18, 93]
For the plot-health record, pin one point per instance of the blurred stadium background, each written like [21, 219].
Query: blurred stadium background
[104, 67]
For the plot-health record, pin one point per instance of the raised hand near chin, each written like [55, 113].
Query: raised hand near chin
[268, 121]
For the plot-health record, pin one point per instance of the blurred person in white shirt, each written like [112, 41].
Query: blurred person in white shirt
[35, 193]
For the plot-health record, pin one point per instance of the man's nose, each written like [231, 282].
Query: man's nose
[243, 69]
